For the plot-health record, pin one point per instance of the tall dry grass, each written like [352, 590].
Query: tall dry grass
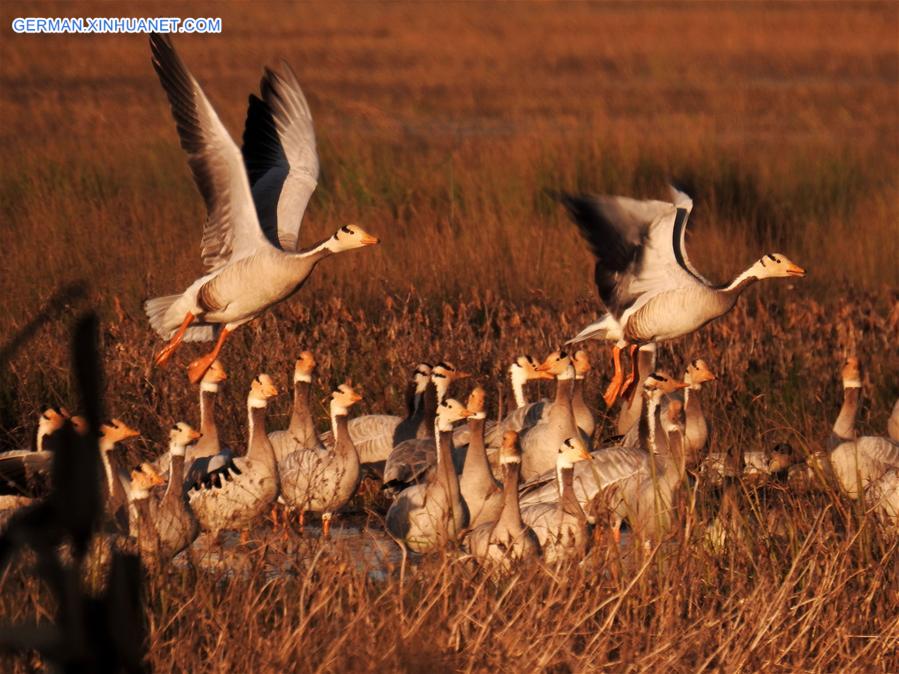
[440, 128]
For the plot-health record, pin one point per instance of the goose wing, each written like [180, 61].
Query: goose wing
[638, 245]
[232, 229]
[280, 156]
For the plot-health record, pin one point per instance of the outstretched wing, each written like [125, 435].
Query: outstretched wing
[280, 156]
[232, 228]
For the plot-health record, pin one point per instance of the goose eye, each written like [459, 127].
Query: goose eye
[777, 260]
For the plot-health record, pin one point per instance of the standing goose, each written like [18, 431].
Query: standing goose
[644, 277]
[561, 526]
[167, 524]
[844, 426]
[26, 471]
[508, 538]
[250, 240]
[237, 502]
[410, 460]
[375, 435]
[300, 434]
[116, 480]
[583, 417]
[696, 429]
[324, 480]
[540, 444]
[480, 490]
[429, 515]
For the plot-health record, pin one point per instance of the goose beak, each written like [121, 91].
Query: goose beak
[584, 455]
[461, 374]
[680, 385]
[544, 374]
[795, 270]
[466, 413]
[369, 240]
[128, 433]
[356, 397]
[195, 435]
[270, 391]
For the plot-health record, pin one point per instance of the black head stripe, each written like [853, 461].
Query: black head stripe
[346, 230]
[438, 375]
[562, 354]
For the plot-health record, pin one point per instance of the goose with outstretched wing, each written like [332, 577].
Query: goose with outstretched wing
[249, 244]
[644, 277]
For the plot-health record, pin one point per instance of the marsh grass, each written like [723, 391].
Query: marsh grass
[443, 129]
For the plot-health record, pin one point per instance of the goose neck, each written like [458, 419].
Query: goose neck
[510, 515]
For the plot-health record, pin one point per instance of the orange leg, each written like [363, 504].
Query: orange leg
[302, 519]
[197, 369]
[611, 394]
[163, 356]
[326, 526]
[274, 515]
[632, 375]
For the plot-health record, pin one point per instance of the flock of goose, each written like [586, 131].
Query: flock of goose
[531, 483]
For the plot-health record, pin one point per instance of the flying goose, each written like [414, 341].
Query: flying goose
[375, 435]
[410, 460]
[324, 480]
[561, 525]
[300, 434]
[506, 539]
[429, 515]
[844, 426]
[250, 240]
[235, 503]
[482, 494]
[26, 471]
[540, 444]
[644, 277]
[166, 524]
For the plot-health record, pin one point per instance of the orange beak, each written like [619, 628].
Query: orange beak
[584, 455]
[795, 270]
[356, 397]
[269, 391]
[467, 413]
[369, 240]
[461, 374]
[195, 435]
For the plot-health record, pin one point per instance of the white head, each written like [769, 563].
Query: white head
[350, 237]
[851, 373]
[698, 373]
[180, 437]
[142, 482]
[524, 369]
[558, 364]
[581, 364]
[443, 374]
[510, 451]
[261, 391]
[50, 421]
[475, 403]
[115, 431]
[342, 398]
[775, 265]
[214, 376]
[304, 367]
[421, 377]
[660, 383]
[571, 452]
[448, 412]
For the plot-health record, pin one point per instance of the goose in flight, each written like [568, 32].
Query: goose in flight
[646, 281]
[250, 239]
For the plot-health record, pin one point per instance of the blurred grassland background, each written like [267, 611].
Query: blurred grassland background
[440, 128]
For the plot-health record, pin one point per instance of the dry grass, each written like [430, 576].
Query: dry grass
[440, 127]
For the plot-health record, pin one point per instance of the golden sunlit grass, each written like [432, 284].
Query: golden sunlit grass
[440, 129]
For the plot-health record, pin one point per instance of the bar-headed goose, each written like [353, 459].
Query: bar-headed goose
[540, 444]
[644, 276]
[324, 480]
[250, 240]
[480, 490]
[428, 515]
[112, 433]
[173, 524]
[27, 471]
[507, 539]
[375, 435]
[629, 415]
[696, 429]
[300, 434]
[844, 426]
[561, 526]
[525, 414]
[236, 503]
[411, 460]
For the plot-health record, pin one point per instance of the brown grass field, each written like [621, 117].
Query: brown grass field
[440, 129]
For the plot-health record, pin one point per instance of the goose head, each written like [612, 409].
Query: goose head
[661, 383]
[698, 373]
[261, 391]
[181, 436]
[51, 420]
[782, 457]
[304, 367]
[851, 373]
[214, 376]
[558, 364]
[581, 364]
[776, 265]
[79, 423]
[350, 237]
[115, 431]
[475, 403]
[443, 374]
[421, 376]
[671, 420]
[525, 369]
[342, 399]
[510, 450]
[449, 412]
[143, 479]
[571, 452]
